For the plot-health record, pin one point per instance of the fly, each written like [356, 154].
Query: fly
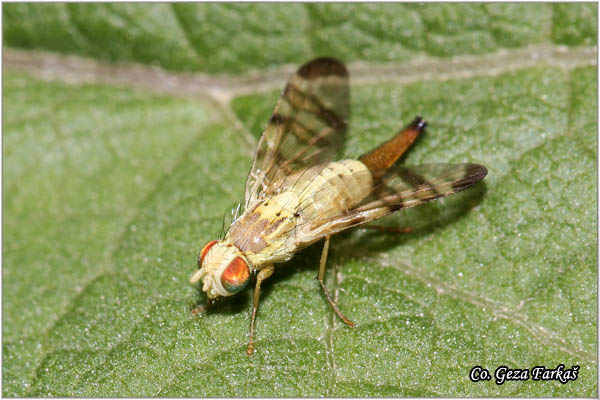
[296, 194]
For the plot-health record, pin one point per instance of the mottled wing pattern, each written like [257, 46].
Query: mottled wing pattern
[402, 187]
[307, 127]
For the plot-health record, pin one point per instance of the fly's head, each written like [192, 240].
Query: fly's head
[223, 269]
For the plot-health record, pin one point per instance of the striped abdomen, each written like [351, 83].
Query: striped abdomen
[335, 189]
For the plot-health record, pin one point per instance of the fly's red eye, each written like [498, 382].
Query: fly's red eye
[236, 275]
[203, 252]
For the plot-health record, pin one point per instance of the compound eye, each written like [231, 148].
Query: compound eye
[236, 276]
[203, 252]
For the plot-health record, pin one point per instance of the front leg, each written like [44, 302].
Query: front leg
[204, 307]
[262, 275]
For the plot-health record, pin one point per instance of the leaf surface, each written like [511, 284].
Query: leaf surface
[109, 193]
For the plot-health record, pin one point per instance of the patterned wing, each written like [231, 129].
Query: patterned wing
[307, 126]
[400, 187]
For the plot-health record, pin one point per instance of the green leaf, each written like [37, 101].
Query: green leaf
[236, 37]
[109, 192]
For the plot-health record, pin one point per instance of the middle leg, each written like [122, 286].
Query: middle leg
[321, 276]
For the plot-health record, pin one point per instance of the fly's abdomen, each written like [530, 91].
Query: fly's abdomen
[338, 187]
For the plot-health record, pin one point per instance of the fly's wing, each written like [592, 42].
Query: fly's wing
[307, 127]
[400, 187]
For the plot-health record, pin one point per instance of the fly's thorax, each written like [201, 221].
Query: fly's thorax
[223, 269]
[263, 231]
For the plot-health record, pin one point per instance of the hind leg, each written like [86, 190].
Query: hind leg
[388, 229]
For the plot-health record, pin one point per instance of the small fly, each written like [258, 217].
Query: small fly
[296, 194]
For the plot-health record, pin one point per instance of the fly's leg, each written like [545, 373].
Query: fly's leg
[203, 307]
[388, 229]
[200, 309]
[320, 278]
[262, 275]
